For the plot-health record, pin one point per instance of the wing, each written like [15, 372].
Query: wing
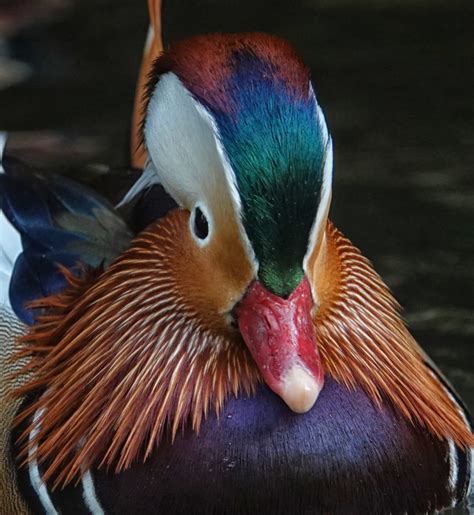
[48, 220]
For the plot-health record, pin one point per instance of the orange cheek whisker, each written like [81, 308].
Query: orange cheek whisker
[363, 341]
[125, 354]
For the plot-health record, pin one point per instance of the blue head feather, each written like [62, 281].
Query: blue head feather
[276, 145]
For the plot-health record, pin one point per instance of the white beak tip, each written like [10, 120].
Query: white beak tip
[300, 390]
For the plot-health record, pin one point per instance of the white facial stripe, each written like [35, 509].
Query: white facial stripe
[184, 146]
[320, 117]
[326, 187]
[89, 495]
[181, 144]
[324, 204]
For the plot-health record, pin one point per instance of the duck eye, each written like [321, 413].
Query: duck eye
[201, 225]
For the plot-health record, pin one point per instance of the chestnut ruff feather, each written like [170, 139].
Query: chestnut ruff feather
[363, 341]
[121, 357]
[126, 353]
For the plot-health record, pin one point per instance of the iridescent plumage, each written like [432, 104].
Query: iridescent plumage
[125, 356]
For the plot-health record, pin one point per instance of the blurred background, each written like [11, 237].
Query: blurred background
[395, 79]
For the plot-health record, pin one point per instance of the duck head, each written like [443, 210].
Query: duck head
[245, 281]
[236, 136]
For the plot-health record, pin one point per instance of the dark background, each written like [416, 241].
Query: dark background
[395, 80]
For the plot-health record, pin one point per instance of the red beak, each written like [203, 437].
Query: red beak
[280, 336]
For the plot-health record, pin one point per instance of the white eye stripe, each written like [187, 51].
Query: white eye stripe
[181, 145]
[326, 186]
[188, 158]
[324, 203]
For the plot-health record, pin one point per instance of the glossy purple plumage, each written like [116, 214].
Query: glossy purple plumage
[344, 456]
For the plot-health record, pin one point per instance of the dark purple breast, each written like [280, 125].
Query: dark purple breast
[344, 456]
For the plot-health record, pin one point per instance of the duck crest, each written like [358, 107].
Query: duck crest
[260, 99]
[208, 64]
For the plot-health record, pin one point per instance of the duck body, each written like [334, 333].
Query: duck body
[345, 456]
[237, 354]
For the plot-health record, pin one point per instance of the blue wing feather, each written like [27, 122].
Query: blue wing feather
[35, 276]
[75, 197]
[61, 222]
[22, 207]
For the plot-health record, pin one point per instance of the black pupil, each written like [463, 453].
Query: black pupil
[201, 227]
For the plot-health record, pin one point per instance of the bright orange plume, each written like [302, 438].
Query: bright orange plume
[125, 353]
[363, 342]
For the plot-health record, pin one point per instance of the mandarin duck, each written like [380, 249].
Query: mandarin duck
[221, 347]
